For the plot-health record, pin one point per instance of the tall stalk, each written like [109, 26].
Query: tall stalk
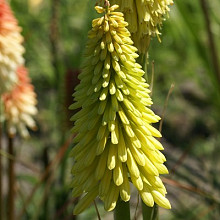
[1, 194]
[147, 212]
[11, 181]
[122, 210]
[46, 164]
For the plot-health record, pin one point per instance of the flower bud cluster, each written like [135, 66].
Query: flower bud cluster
[115, 143]
[145, 18]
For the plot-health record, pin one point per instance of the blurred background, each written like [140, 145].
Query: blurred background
[55, 34]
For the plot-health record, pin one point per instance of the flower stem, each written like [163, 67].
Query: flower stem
[122, 210]
[156, 212]
[11, 181]
[150, 213]
[1, 195]
[147, 212]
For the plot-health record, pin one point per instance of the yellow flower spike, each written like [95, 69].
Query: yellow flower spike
[115, 140]
[145, 18]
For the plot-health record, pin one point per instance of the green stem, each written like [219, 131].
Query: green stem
[156, 212]
[150, 213]
[122, 210]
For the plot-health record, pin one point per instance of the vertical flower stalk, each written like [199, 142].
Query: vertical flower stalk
[20, 105]
[1, 173]
[145, 18]
[19, 109]
[115, 143]
[11, 52]
[11, 49]
[11, 182]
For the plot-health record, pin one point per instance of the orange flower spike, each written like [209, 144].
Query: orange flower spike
[20, 105]
[11, 49]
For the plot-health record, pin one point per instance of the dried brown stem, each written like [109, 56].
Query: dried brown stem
[189, 188]
[97, 211]
[17, 160]
[180, 160]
